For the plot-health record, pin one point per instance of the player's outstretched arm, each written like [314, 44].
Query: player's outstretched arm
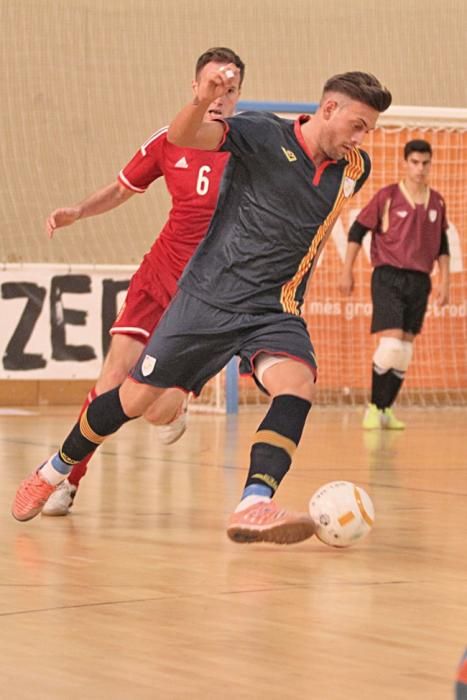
[188, 130]
[346, 283]
[99, 202]
[442, 293]
[356, 235]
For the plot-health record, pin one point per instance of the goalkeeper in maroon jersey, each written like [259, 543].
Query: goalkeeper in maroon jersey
[408, 222]
[192, 178]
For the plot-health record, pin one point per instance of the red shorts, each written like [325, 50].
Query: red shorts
[145, 302]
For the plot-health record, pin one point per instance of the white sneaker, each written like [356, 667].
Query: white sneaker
[61, 500]
[173, 431]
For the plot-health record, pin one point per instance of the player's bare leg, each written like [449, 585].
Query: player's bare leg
[169, 415]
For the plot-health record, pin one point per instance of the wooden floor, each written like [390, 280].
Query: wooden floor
[140, 595]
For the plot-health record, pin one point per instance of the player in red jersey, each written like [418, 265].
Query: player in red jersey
[408, 224]
[192, 178]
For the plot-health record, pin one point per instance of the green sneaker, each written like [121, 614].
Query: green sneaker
[390, 422]
[372, 418]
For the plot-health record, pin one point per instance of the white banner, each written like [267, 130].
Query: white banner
[56, 319]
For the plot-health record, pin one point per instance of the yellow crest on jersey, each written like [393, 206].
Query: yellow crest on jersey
[290, 155]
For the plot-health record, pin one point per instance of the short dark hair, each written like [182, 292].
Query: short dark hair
[362, 87]
[417, 146]
[220, 54]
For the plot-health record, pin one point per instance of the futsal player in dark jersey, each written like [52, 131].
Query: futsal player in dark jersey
[408, 224]
[283, 188]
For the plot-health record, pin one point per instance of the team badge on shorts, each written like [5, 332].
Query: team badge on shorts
[148, 365]
[432, 215]
[349, 186]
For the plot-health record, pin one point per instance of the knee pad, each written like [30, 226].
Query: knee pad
[392, 353]
[408, 353]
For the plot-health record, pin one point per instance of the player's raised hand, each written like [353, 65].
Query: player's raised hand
[61, 217]
[188, 128]
[216, 83]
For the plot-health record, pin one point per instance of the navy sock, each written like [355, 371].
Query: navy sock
[385, 386]
[276, 440]
[103, 417]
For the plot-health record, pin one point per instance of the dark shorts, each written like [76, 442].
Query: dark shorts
[400, 299]
[195, 340]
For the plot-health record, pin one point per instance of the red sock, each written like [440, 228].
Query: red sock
[89, 399]
[80, 469]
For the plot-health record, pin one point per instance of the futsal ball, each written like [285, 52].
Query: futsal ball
[343, 513]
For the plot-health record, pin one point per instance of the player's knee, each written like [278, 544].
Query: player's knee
[407, 355]
[165, 409]
[155, 420]
[304, 391]
[302, 384]
[136, 398]
[393, 353]
[156, 415]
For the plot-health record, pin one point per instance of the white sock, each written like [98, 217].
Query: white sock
[50, 474]
[249, 501]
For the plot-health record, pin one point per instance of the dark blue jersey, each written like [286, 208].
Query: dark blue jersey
[274, 213]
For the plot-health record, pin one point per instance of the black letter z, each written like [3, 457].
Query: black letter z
[15, 358]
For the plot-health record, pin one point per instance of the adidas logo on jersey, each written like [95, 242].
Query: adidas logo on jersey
[182, 163]
[402, 214]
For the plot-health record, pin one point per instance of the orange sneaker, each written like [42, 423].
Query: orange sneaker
[266, 522]
[31, 496]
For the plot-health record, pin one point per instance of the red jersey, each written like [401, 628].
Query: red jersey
[404, 234]
[192, 178]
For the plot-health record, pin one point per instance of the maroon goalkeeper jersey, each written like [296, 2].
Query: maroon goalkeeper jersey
[404, 234]
[192, 178]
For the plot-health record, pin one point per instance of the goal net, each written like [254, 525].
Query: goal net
[339, 327]
[114, 244]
